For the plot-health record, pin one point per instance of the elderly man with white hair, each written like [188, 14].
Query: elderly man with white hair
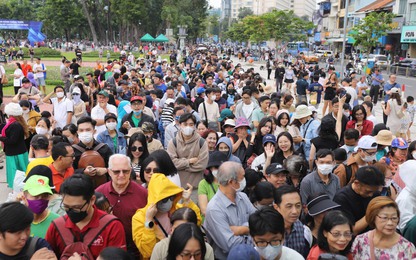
[226, 220]
[125, 196]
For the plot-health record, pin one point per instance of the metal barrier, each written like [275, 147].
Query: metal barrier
[404, 71]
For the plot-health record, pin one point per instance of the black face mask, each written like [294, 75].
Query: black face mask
[231, 91]
[76, 217]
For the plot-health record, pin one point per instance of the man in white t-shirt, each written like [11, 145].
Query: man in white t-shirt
[351, 91]
[40, 71]
[100, 110]
[209, 110]
[2, 78]
[63, 108]
[368, 106]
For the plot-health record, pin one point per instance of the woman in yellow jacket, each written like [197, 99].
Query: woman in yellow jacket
[151, 223]
[31, 116]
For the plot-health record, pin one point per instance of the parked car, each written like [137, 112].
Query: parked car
[405, 66]
[309, 58]
[379, 60]
[406, 63]
[321, 53]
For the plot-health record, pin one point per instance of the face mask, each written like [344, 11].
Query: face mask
[76, 217]
[77, 98]
[41, 130]
[138, 113]
[26, 111]
[60, 94]
[350, 148]
[414, 155]
[213, 97]
[85, 137]
[111, 125]
[164, 207]
[231, 91]
[347, 114]
[269, 252]
[71, 140]
[214, 173]
[259, 206]
[187, 130]
[369, 158]
[325, 169]
[242, 185]
[37, 206]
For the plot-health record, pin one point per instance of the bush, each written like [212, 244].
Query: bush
[42, 52]
[114, 55]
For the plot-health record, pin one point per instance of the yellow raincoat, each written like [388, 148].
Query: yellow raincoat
[160, 187]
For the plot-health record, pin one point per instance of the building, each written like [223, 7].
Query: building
[226, 11]
[237, 4]
[265, 6]
[303, 8]
[407, 9]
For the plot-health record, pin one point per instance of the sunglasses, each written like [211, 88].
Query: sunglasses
[135, 148]
[149, 170]
[168, 198]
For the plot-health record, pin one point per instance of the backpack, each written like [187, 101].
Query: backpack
[81, 247]
[201, 142]
[348, 171]
[31, 249]
[92, 158]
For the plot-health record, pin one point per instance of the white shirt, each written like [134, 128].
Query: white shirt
[353, 94]
[36, 67]
[248, 109]
[213, 111]
[61, 109]
[373, 119]
[98, 113]
[290, 254]
[17, 82]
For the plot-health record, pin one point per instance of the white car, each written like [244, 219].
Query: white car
[379, 60]
[321, 53]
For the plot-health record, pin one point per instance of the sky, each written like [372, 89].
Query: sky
[215, 3]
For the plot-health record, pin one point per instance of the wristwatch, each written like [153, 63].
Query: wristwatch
[149, 224]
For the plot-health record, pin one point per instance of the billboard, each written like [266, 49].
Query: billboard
[408, 34]
[34, 28]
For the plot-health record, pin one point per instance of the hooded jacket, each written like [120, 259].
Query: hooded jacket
[185, 150]
[230, 156]
[160, 187]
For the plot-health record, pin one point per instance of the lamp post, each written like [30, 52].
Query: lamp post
[182, 36]
[345, 35]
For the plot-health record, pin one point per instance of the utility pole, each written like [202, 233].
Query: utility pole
[344, 38]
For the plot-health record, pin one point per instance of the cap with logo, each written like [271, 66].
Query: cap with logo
[269, 138]
[276, 168]
[37, 185]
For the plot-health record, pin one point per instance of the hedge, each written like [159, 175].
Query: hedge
[42, 52]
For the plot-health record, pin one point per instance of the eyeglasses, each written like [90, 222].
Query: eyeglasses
[371, 154]
[168, 198]
[386, 219]
[70, 156]
[117, 172]
[76, 209]
[153, 170]
[263, 244]
[336, 235]
[135, 148]
[187, 256]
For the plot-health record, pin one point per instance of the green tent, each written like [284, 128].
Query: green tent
[161, 38]
[147, 38]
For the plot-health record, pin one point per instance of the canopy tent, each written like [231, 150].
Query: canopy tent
[147, 38]
[161, 38]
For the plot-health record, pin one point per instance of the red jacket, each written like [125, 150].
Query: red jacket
[112, 235]
[367, 127]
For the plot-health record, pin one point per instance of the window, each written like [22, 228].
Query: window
[341, 22]
[402, 6]
[412, 16]
[342, 4]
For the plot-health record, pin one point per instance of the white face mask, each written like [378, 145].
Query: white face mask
[60, 94]
[41, 130]
[85, 137]
[269, 252]
[214, 173]
[187, 130]
[213, 97]
[164, 207]
[325, 169]
[242, 185]
[369, 158]
[77, 98]
[414, 155]
[26, 111]
[111, 125]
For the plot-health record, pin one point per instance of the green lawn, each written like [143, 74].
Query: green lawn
[9, 91]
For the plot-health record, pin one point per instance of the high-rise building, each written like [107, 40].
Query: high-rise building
[265, 6]
[226, 10]
[303, 7]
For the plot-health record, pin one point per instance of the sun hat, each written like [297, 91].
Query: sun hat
[399, 143]
[229, 122]
[367, 142]
[269, 138]
[302, 111]
[13, 109]
[241, 121]
[275, 168]
[394, 90]
[37, 185]
[384, 137]
[216, 159]
[321, 204]
[268, 89]
[225, 113]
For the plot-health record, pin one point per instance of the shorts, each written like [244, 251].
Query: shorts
[289, 80]
[41, 81]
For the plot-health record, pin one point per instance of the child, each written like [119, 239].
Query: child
[411, 108]
[315, 90]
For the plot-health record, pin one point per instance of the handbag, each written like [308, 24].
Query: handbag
[313, 98]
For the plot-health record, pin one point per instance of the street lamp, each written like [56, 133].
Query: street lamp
[182, 36]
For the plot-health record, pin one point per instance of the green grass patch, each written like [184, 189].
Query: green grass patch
[9, 91]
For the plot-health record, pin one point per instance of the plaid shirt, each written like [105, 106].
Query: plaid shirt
[296, 239]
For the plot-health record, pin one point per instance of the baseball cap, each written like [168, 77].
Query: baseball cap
[37, 185]
[269, 138]
[169, 101]
[275, 168]
[109, 116]
[229, 122]
[148, 127]
[25, 80]
[103, 93]
[136, 98]
[216, 159]
[158, 75]
[200, 90]
[367, 142]
[41, 170]
[321, 204]
[76, 90]
[399, 143]
[243, 251]
[225, 113]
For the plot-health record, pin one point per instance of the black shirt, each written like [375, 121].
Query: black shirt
[75, 68]
[22, 255]
[343, 125]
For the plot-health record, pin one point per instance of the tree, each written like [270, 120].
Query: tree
[369, 30]
[89, 19]
[244, 11]
[254, 28]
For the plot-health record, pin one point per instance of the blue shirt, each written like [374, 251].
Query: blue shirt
[104, 137]
[223, 213]
[387, 87]
[311, 128]
[375, 82]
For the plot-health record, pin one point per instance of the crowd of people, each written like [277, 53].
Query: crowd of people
[201, 159]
